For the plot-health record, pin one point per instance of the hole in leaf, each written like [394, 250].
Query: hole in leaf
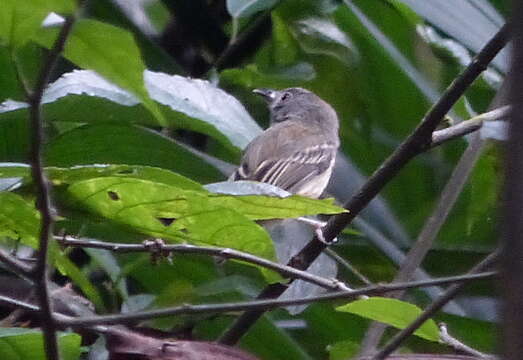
[166, 221]
[113, 195]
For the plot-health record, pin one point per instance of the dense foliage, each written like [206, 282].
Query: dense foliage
[152, 100]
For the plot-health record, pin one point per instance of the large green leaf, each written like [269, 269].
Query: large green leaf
[111, 52]
[393, 312]
[20, 20]
[60, 176]
[278, 203]
[197, 105]
[125, 144]
[171, 213]
[19, 343]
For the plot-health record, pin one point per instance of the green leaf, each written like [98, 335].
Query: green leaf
[60, 176]
[19, 343]
[19, 219]
[111, 52]
[245, 8]
[19, 20]
[343, 350]
[172, 213]
[249, 199]
[257, 207]
[126, 144]
[393, 312]
[320, 36]
[190, 104]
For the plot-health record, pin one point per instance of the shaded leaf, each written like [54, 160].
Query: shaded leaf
[111, 144]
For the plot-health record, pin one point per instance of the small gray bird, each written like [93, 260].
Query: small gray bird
[297, 152]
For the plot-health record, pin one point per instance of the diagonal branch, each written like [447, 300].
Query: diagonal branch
[419, 141]
[449, 294]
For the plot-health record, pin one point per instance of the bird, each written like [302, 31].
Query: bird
[298, 150]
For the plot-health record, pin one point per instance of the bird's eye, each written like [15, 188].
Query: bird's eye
[285, 97]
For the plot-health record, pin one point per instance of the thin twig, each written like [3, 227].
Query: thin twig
[225, 253]
[446, 338]
[469, 126]
[347, 265]
[43, 191]
[15, 265]
[268, 303]
[449, 294]
[416, 143]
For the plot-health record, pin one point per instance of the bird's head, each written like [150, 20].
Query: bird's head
[294, 103]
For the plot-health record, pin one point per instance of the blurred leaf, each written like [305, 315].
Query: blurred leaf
[284, 49]
[343, 350]
[245, 8]
[79, 278]
[392, 312]
[485, 187]
[472, 23]
[20, 20]
[102, 47]
[322, 36]
[185, 103]
[18, 343]
[19, 219]
[14, 137]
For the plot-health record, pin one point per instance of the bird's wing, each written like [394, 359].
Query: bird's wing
[292, 155]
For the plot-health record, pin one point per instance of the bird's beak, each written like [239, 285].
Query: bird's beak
[267, 94]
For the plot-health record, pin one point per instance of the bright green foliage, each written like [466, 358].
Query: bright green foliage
[19, 343]
[393, 312]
